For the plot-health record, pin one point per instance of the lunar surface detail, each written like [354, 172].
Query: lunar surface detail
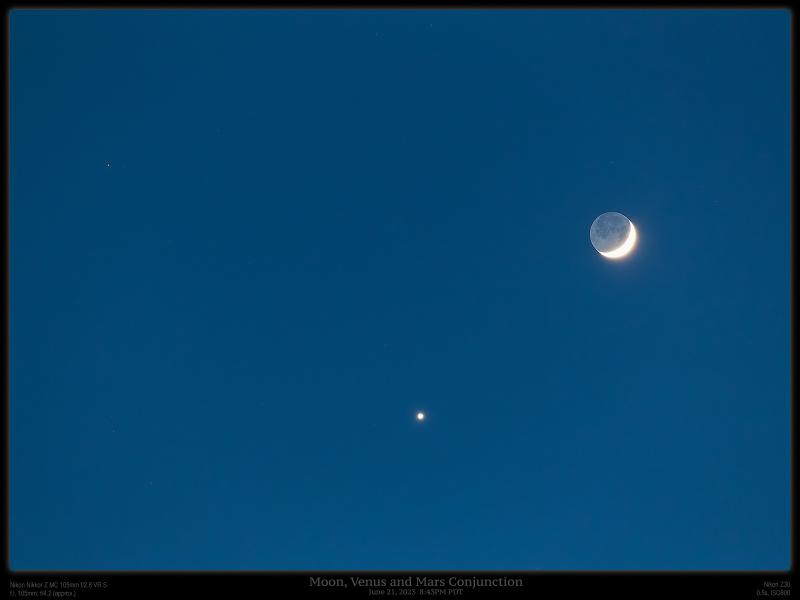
[613, 235]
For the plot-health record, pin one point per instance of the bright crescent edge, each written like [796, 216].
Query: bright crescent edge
[625, 248]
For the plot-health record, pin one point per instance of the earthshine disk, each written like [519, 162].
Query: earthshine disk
[613, 235]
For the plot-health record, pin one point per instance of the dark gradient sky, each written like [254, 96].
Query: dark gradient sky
[246, 247]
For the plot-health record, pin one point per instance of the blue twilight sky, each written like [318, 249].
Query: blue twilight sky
[247, 247]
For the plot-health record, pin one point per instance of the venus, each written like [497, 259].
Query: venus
[613, 235]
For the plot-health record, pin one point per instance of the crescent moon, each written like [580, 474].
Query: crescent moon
[626, 246]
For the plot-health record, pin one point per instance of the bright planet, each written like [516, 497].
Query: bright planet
[613, 235]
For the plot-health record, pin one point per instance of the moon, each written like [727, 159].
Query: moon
[420, 416]
[613, 235]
